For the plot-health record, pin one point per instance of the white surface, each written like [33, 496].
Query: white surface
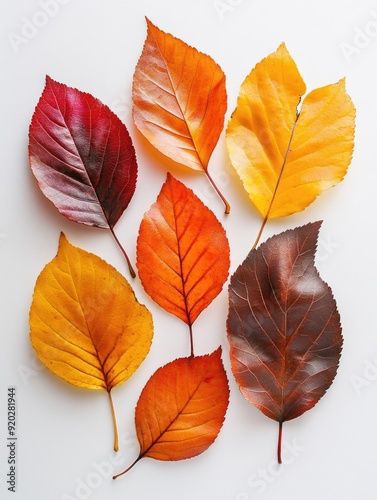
[65, 432]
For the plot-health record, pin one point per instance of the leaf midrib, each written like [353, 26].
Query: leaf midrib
[174, 93]
[79, 155]
[179, 413]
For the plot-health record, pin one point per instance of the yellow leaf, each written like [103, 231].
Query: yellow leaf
[286, 157]
[85, 322]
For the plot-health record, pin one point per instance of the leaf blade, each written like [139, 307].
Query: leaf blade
[182, 408]
[182, 252]
[82, 156]
[179, 99]
[283, 326]
[266, 134]
[74, 297]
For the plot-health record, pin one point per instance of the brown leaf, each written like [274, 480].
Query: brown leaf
[283, 326]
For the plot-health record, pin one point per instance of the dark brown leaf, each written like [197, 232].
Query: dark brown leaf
[283, 326]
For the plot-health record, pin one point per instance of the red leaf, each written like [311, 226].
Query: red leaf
[182, 408]
[283, 326]
[82, 156]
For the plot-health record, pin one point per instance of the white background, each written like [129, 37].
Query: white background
[64, 448]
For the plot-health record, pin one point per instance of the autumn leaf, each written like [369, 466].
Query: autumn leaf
[82, 157]
[182, 408]
[182, 253]
[284, 156]
[86, 324]
[283, 327]
[179, 100]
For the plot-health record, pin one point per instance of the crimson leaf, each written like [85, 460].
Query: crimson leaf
[82, 156]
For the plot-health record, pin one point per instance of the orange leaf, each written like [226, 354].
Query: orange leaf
[182, 252]
[86, 325]
[286, 157]
[182, 408]
[179, 100]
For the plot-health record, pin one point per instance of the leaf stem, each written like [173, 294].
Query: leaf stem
[191, 341]
[116, 441]
[279, 441]
[227, 206]
[128, 468]
[277, 182]
[132, 272]
[260, 232]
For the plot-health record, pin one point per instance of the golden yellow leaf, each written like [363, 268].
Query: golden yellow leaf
[86, 324]
[286, 157]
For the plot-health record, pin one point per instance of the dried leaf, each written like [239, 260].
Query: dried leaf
[86, 324]
[182, 408]
[283, 326]
[286, 157]
[179, 100]
[182, 252]
[82, 156]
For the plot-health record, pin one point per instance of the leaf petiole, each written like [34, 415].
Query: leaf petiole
[116, 440]
[279, 441]
[227, 206]
[191, 341]
[131, 269]
[128, 468]
[260, 233]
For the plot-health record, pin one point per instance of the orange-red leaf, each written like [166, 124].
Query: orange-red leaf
[182, 408]
[179, 99]
[182, 252]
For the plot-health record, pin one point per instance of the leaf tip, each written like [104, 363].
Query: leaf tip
[63, 241]
[218, 352]
[283, 48]
[316, 228]
[342, 81]
[50, 81]
[150, 25]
